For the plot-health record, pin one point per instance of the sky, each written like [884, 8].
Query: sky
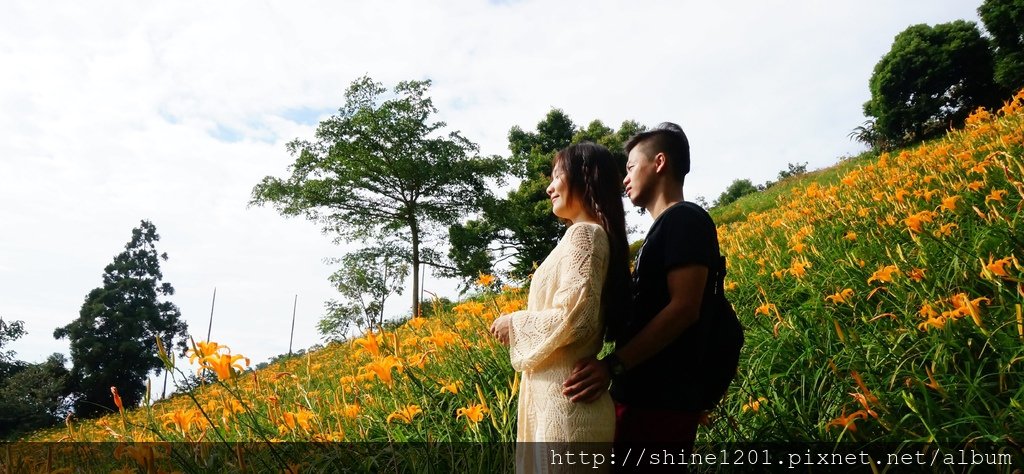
[114, 112]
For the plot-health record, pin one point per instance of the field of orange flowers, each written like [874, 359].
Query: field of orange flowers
[439, 379]
[885, 306]
[442, 379]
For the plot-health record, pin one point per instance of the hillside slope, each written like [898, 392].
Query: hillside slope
[882, 301]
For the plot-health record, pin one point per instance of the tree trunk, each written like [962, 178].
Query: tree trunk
[415, 268]
[384, 294]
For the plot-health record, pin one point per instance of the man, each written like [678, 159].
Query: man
[653, 368]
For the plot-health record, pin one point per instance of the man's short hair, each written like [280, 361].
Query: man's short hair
[667, 138]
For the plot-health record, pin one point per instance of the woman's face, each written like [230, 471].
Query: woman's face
[563, 204]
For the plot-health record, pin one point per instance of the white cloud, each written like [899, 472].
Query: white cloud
[120, 111]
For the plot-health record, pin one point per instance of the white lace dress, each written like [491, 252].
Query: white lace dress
[562, 324]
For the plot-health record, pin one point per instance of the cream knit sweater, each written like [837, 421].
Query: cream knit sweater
[562, 324]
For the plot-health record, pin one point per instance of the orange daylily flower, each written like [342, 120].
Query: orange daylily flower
[382, 368]
[298, 419]
[998, 267]
[485, 280]
[440, 338]
[470, 307]
[863, 388]
[927, 311]
[350, 410]
[938, 322]
[144, 455]
[916, 274]
[949, 203]
[964, 306]
[799, 268]
[847, 422]
[226, 366]
[203, 348]
[995, 195]
[368, 344]
[182, 420]
[405, 415]
[452, 387]
[884, 274]
[418, 360]
[915, 221]
[473, 413]
[753, 405]
[900, 194]
[945, 229]
[766, 309]
[840, 296]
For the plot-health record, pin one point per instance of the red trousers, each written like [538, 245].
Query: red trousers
[638, 425]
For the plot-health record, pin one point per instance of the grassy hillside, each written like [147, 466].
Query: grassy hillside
[882, 300]
[883, 297]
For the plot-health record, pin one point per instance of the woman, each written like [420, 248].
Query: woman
[579, 289]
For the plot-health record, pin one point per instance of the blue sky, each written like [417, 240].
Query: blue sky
[121, 111]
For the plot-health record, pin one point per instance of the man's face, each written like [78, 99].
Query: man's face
[639, 182]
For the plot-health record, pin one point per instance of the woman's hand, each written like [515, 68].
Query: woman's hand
[499, 328]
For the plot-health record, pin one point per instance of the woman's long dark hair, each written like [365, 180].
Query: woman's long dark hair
[593, 177]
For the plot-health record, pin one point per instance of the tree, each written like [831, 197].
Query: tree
[793, 169]
[113, 340]
[931, 80]
[1004, 20]
[34, 395]
[9, 332]
[736, 190]
[365, 280]
[869, 135]
[31, 395]
[520, 229]
[382, 170]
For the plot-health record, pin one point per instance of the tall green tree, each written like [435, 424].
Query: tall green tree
[382, 169]
[1004, 20]
[931, 80]
[520, 229]
[366, 279]
[113, 340]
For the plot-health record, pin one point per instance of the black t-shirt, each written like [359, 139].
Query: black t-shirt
[684, 234]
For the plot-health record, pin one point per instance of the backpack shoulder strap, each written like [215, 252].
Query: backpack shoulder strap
[720, 273]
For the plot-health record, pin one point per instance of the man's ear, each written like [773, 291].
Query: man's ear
[660, 163]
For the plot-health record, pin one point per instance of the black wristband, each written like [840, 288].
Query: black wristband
[614, 364]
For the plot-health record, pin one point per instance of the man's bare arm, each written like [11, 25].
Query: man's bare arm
[590, 377]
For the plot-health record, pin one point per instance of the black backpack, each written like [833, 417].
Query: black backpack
[721, 352]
